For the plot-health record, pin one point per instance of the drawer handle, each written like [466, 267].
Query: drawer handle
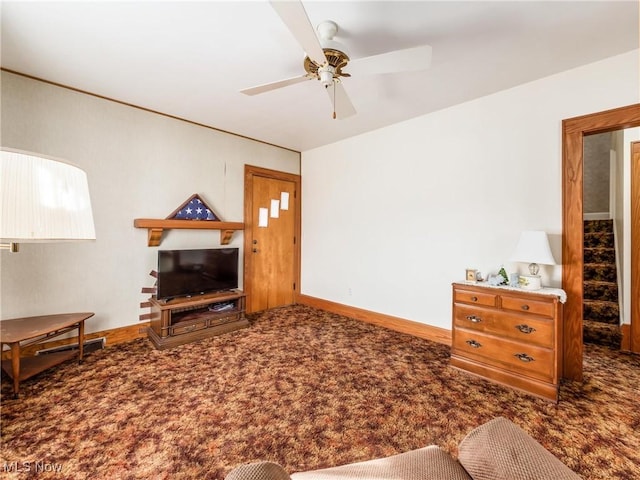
[524, 357]
[525, 307]
[474, 299]
[474, 344]
[525, 328]
[473, 319]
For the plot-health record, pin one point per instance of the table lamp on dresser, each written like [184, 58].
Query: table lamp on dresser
[533, 248]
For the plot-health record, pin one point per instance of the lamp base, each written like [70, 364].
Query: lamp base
[530, 282]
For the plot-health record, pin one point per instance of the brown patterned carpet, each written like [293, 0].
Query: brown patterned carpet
[303, 388]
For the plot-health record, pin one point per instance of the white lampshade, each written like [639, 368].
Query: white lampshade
[533, 247]
[43, 200]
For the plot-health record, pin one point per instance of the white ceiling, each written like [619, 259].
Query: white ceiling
[190, 59]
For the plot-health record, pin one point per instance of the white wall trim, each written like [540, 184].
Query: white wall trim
[619, 276]
[597, 216]
[613, 172]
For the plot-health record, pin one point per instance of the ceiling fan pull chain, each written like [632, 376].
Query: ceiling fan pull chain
[334, 99]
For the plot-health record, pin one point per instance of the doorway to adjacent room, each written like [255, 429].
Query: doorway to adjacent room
[573, 132]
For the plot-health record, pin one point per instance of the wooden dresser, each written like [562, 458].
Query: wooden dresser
[510, 336]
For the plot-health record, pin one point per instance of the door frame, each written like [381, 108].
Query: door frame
[573, 132]
[251, 171]
[634, 331]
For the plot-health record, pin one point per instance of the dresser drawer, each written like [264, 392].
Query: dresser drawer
[476, 298]
[187, 327]
[526, 305]
[523, 359]
[521, 328]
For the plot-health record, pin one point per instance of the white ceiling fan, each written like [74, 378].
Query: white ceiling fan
[326, 58]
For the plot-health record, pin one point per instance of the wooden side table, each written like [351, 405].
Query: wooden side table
[21, 332]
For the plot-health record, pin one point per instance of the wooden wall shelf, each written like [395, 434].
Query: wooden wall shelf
[155, 227]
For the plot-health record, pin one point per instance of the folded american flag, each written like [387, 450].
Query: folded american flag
[195, 209]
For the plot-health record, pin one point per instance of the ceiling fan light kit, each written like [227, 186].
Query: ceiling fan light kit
[325, 58]
[326, 74]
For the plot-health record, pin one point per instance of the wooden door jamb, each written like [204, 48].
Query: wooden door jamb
[573, 132]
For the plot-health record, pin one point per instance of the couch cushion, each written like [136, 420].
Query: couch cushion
[428, 463]
[500, 450]
[258, 471]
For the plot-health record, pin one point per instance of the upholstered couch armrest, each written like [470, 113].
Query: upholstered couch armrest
[500, 450]
[427, 463]
[258, 471]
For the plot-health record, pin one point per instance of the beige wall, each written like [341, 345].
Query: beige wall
[139, 164]
[597, 150]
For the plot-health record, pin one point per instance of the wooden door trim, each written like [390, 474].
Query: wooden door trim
[634, 332]
[250, 172]
[573, 132]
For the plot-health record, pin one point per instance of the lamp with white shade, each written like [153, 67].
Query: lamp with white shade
[42, 200]
[533, 248]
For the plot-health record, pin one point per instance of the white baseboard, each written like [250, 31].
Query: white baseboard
[597, 216]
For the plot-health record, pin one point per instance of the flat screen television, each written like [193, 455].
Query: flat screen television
[195, 272]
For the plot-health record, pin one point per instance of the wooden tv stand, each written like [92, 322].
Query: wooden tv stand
[188, 319]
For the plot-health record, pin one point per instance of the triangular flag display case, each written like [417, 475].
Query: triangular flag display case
[194, 208]
[194, 213]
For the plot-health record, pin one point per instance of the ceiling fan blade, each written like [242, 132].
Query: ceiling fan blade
[267, 87]
[295, 18]
[342, 106]
[408, 60]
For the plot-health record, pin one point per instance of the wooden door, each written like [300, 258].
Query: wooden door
[272, 232]
[635, 248]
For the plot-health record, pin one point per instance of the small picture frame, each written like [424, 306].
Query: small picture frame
[471, 275]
